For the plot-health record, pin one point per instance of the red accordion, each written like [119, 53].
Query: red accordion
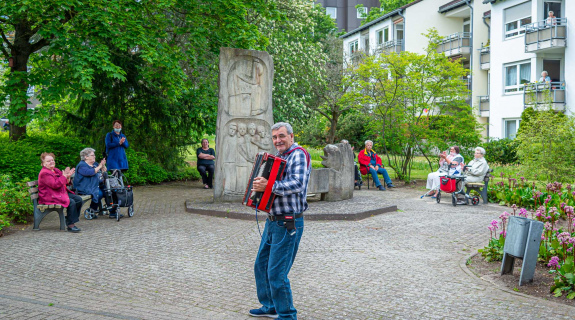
[271, 168]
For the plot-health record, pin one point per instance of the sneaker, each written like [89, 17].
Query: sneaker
[390, 185]
[260, 313]
[381, 188]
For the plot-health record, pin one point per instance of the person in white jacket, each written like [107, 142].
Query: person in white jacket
[477, 168]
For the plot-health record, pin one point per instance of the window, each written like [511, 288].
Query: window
[353, 47]
[382, 36]
[516, 75]
[467, 25]
[510, 126]
[361, 12]
[399, 31]
[332, 12]
[516, 18]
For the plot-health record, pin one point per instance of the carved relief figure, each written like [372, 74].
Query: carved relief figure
[262, 140]
[246, 82]
[229, 157]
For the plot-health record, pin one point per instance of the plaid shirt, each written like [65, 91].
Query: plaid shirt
[291, 191]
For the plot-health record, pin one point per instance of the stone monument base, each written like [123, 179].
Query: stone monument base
[361, 206]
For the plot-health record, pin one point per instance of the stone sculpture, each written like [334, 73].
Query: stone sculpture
[244, 119]
[335, 182]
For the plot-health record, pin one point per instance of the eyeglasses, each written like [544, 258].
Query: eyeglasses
[281, 136]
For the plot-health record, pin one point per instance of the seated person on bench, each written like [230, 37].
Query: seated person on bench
[89, 179]
[477, 168]
[371, 162]
[52, 190]
[444, 167]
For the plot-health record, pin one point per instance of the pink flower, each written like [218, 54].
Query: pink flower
[548, 226]
[563, 238]
[494, 223]
[523, 212]
[503, 233]
[554, 262]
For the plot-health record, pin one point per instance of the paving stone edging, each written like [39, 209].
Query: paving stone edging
[496, 285]
[353, 216]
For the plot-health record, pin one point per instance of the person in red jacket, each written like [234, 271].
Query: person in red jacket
[370, 162]
[52, 189]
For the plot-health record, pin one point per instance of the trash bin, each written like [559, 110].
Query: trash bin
[517, 231]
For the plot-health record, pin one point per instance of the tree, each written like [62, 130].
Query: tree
[298, 31]
[420, 104]
[331, 96]
[59, 46]
[386, 6]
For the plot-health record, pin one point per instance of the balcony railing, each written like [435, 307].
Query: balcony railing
[546, 34]
[485, 57]
[545, 93]
[456, 44]
[391, 46]
[484, 106]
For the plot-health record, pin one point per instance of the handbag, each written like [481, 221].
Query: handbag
[124, 197]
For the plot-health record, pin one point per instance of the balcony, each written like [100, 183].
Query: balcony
[543, 94]
[456, 44]
[485, 57]
[484, 106]
[546, 36]
[391, 46]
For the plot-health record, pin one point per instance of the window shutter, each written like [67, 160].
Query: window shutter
[517, 12]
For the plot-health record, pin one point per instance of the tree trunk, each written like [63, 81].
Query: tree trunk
[331, 134]
[21, 51]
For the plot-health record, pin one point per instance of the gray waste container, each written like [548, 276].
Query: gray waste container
[516, 238]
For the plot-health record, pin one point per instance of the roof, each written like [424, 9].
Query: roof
[369, 24]
[385, 16]
[489, 1]
[452, 5]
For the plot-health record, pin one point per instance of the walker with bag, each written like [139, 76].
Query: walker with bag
[116, 195]
[454, 184]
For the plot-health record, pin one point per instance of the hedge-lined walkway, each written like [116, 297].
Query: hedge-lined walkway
[165, 263]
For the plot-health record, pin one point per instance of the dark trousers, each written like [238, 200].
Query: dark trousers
[207, 173]
[73, 209]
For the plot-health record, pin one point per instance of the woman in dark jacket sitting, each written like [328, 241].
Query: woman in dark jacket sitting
[89, 179]
[52, 189]
[116, 145]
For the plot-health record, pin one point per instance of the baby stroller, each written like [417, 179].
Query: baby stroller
[454, 184]
[116, 195]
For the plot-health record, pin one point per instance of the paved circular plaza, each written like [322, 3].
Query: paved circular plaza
[165, 263]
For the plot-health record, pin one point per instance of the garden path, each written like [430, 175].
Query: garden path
[165, 263]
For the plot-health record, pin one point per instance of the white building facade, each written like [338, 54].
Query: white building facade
[505, 44]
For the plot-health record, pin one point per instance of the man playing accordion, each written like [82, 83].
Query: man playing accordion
[283, 229]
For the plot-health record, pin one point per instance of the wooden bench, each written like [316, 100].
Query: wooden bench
[42, 210]
[480, 187]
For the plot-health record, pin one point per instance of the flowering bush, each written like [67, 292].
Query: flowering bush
[15, 202]
[557, 249]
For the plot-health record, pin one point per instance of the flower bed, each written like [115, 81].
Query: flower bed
[557, 241]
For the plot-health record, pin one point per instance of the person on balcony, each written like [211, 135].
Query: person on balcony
[552, 19]
[545, 76]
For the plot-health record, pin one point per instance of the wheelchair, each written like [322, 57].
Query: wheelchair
[455, 184]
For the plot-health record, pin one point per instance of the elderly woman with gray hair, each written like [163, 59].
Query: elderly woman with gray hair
[477, 168]
[89, 179]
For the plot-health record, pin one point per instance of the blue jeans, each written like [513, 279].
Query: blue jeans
[383, 172]
[273, 263]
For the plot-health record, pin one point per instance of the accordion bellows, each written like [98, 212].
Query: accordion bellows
[271, 168]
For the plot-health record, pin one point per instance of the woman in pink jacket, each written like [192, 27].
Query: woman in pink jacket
[52, 189]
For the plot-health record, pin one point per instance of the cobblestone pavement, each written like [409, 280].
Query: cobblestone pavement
[165, 263]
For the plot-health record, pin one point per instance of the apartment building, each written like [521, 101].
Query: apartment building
[504, 44]
[525, 42]
[344, 12]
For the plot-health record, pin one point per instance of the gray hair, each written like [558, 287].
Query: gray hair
[366, 141]
[547, 73]
[481, 150]
[286, 125]
[86, 152]
[551, 12]
[344, 141]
